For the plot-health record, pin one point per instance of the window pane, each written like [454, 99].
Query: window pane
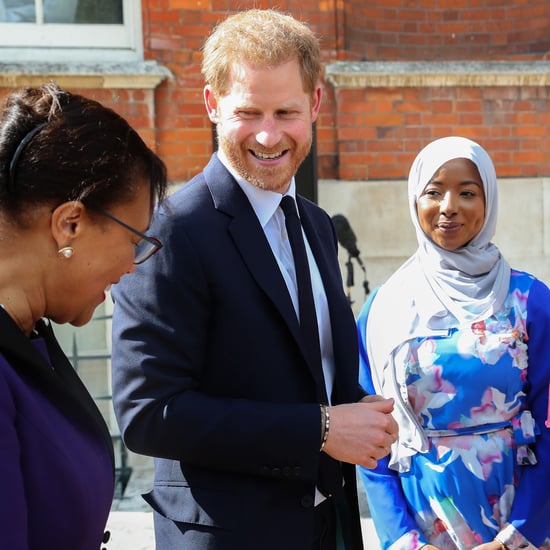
[99, 12]
[17, 11]
[63, 11]
[102, 30]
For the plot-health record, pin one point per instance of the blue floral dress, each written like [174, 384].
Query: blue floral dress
[481, 395]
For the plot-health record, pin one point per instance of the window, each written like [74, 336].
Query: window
[70, 30]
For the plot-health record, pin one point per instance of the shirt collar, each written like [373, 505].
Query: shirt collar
[264, 203]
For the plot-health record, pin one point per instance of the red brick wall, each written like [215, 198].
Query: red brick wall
[137, 106]
[368, 132]
[371, 133]
[447, 29]
[174, 33]
[379, 131]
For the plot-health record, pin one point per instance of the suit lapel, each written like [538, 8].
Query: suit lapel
[253, 246]
[342, 321]
[249, 239]
[60, 383]
[319, 236]
[74, 385]
[256, 253]
[320, 248]
[18, 349]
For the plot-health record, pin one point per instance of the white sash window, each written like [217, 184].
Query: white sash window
[70, 30]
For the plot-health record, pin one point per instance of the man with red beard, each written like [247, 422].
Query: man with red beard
[255, 435]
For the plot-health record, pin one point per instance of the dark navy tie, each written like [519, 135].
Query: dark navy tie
[330, 479]
[306, 304]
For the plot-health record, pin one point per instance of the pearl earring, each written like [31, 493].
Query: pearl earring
[66, 252]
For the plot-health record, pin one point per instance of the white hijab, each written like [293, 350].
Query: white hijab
[434, 290]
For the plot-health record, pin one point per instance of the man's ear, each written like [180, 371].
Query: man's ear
[211, 104]
[67, 222]
[316, 102]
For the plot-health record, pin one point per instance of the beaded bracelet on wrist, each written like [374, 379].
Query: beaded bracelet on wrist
[325, 417]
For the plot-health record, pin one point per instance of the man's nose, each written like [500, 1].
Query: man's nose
[268, 134]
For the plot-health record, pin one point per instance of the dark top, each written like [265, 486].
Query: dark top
[56, 456]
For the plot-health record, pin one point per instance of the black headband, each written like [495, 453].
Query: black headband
[17, 154]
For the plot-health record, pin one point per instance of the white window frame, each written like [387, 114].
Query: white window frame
[56, 43]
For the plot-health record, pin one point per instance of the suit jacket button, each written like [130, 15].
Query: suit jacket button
[306, 501]
[297, 471]
[287, 471]
[276, 472]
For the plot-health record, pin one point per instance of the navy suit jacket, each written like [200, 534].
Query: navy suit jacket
[209, 374]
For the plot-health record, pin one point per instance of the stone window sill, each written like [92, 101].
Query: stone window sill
[142, 75]
[397, 74]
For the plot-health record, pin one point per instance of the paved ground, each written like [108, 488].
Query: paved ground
[134, 531]
[131, 522]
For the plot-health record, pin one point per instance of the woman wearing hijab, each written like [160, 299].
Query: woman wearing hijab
[77, 190]
[462, 343]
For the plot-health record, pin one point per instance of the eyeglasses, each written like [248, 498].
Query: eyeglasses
[145, 248]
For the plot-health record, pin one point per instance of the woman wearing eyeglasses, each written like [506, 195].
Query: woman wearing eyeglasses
[77, 191]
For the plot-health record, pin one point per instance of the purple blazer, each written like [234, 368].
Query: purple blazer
[56, 455]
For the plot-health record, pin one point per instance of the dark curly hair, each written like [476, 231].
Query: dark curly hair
[56, 146]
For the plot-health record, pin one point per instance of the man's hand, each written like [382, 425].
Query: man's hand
[361, 433]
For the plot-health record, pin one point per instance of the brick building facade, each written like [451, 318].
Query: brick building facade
[398, 74]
